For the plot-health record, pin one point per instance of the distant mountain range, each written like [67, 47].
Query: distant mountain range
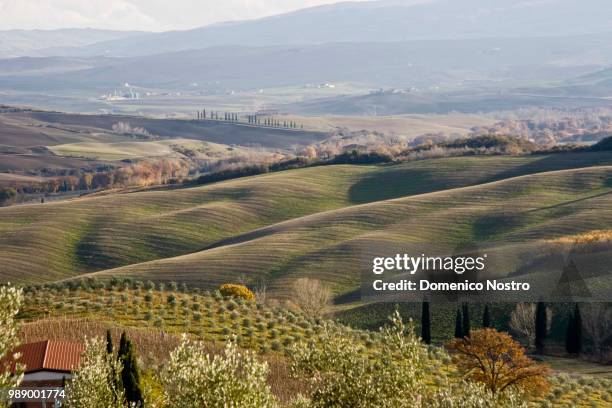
[421, 50]
[19, 43]
[407, 64]
[380, 21]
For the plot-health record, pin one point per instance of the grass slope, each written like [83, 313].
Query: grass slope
[104, 232]
[330, 245]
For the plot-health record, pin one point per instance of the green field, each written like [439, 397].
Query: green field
[308, 221]
[135, 150]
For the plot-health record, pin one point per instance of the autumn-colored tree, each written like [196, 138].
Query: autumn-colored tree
[495, 359]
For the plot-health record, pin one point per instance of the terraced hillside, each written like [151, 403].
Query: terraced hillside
[305, 221]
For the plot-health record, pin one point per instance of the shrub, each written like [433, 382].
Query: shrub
[238, 291]
[193, 378]
[231, 305]
[7, 194]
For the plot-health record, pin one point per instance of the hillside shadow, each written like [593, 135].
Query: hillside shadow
[389, 184]
[555, 162]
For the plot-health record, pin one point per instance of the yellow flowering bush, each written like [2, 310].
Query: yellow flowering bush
[240, 291]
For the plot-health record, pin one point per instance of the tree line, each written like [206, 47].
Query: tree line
[144, 173]
[532, 323]
[259, 120]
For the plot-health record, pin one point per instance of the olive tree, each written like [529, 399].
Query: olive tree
[10, 301]
[194, 378]
[96, 383]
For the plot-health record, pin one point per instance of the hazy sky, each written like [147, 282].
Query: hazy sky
[151, 15]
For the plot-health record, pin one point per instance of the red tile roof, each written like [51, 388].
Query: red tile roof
[48, 355]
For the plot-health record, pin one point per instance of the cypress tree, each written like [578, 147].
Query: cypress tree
[486, 317]
[458, 329]
[466, 320]
[573, 335]
[425, 323]
[540, 327]
[109, 342]
[130, 376]
[122, 345]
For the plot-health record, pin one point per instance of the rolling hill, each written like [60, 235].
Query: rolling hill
[301, 217]
[467, 101]
[516, 212]
[39, 143]
[208, 130]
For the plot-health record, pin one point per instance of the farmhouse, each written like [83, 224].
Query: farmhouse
[48, 362]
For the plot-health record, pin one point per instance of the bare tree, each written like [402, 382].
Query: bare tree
[261, 291]
[522, 321]
[311, 296]
[597, 323]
